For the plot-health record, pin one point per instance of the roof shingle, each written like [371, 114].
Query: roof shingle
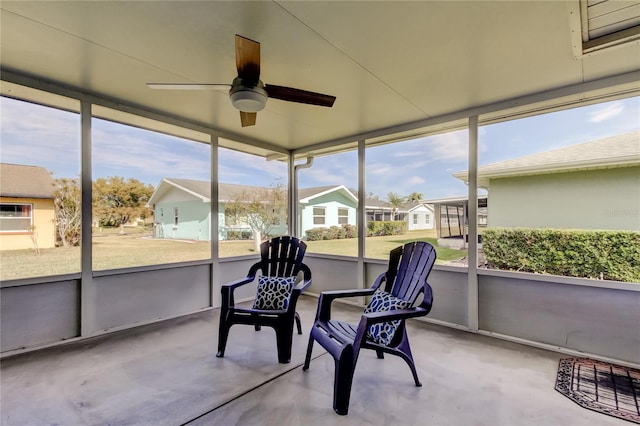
[20, 181]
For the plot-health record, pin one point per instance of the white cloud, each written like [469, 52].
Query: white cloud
[40, 136]
[379, 169]
[610, 111]
[447, 147]
[415, 180]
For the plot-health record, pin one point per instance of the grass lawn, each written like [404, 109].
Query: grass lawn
[137, 248]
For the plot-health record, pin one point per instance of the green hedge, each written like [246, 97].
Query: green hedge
[377, 228]
[332, 233]
[609, 255]
[239, 235]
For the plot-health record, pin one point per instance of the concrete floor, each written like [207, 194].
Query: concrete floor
[167, 374]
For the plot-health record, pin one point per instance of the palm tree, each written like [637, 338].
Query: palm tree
[414, 197]
[396, 201]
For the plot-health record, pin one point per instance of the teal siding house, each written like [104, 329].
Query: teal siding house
[182, 209]
[591, 185]
[325, 207]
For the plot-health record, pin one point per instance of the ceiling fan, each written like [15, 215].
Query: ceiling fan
[247, 92]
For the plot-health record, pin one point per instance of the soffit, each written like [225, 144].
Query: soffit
[388, 63]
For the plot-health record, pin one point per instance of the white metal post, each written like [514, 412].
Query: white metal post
[361, 218]
[214, 228]
[88, 294]
[472, 309]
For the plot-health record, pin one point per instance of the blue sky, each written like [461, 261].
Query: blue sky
[35, 135]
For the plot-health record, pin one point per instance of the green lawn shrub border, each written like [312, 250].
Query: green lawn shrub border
[374, 229]
[378, 228]
[609, 255]
[332, 233]
[239, 235]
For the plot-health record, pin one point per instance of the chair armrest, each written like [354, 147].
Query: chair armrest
[394, 314]
[327, 297]
[232, 285]
[306, 279]
[227, 289]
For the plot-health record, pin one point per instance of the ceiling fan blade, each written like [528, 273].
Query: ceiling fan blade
[248, 118]
[188, 86]
[248, 60]
[297, 95]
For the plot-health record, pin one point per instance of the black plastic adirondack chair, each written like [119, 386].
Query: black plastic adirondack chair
[280, 257]
[405, 280]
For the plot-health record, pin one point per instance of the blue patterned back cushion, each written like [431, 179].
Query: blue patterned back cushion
[381, 302]
[273, 292]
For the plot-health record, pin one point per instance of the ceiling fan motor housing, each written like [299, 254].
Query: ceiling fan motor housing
[246, 98]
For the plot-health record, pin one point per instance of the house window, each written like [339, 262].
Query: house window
[319, 215]
[415, 218]
[175, 216]
[15, 217]
[343, 216]
[427, 219]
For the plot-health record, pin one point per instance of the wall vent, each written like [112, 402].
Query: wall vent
[601, 24]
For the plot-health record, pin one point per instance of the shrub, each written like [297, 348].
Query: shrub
[332, 233]
[378, 228]
[610, 255]
[314, 234]
[336, 233]
[239, 235]
[351, 231]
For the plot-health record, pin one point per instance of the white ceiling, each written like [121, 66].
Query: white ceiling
[388, 63]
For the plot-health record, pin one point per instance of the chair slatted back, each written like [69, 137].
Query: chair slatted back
[409, 268]
[282, 256]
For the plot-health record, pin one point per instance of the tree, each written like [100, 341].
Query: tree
[68, 217]
[414, 197]
[117, 201]
[261, 209]
[396, 202]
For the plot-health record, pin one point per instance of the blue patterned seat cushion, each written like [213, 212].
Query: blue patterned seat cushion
[273, 293]
[382, 301]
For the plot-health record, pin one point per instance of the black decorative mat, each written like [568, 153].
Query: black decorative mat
[599, 386]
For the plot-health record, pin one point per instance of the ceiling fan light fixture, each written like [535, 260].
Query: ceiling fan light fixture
[248, 99]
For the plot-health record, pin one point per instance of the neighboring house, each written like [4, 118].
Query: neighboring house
[592, 185]
[27, 209]
[326, 206]
[418, 215]
[182, 208]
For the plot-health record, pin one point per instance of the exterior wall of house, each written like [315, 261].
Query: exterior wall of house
[595, 199]
[331, 202]
[43, 217]
[420, 218]
[192, 223]
[224, 228]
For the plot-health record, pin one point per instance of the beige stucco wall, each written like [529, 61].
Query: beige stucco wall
[43, 220]
[595, 199]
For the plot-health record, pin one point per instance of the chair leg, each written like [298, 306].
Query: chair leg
[223, 334]
[380, 354]
[284, 339]
[307, 359]
[345, 367]
[298, 323]
[404, 351]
